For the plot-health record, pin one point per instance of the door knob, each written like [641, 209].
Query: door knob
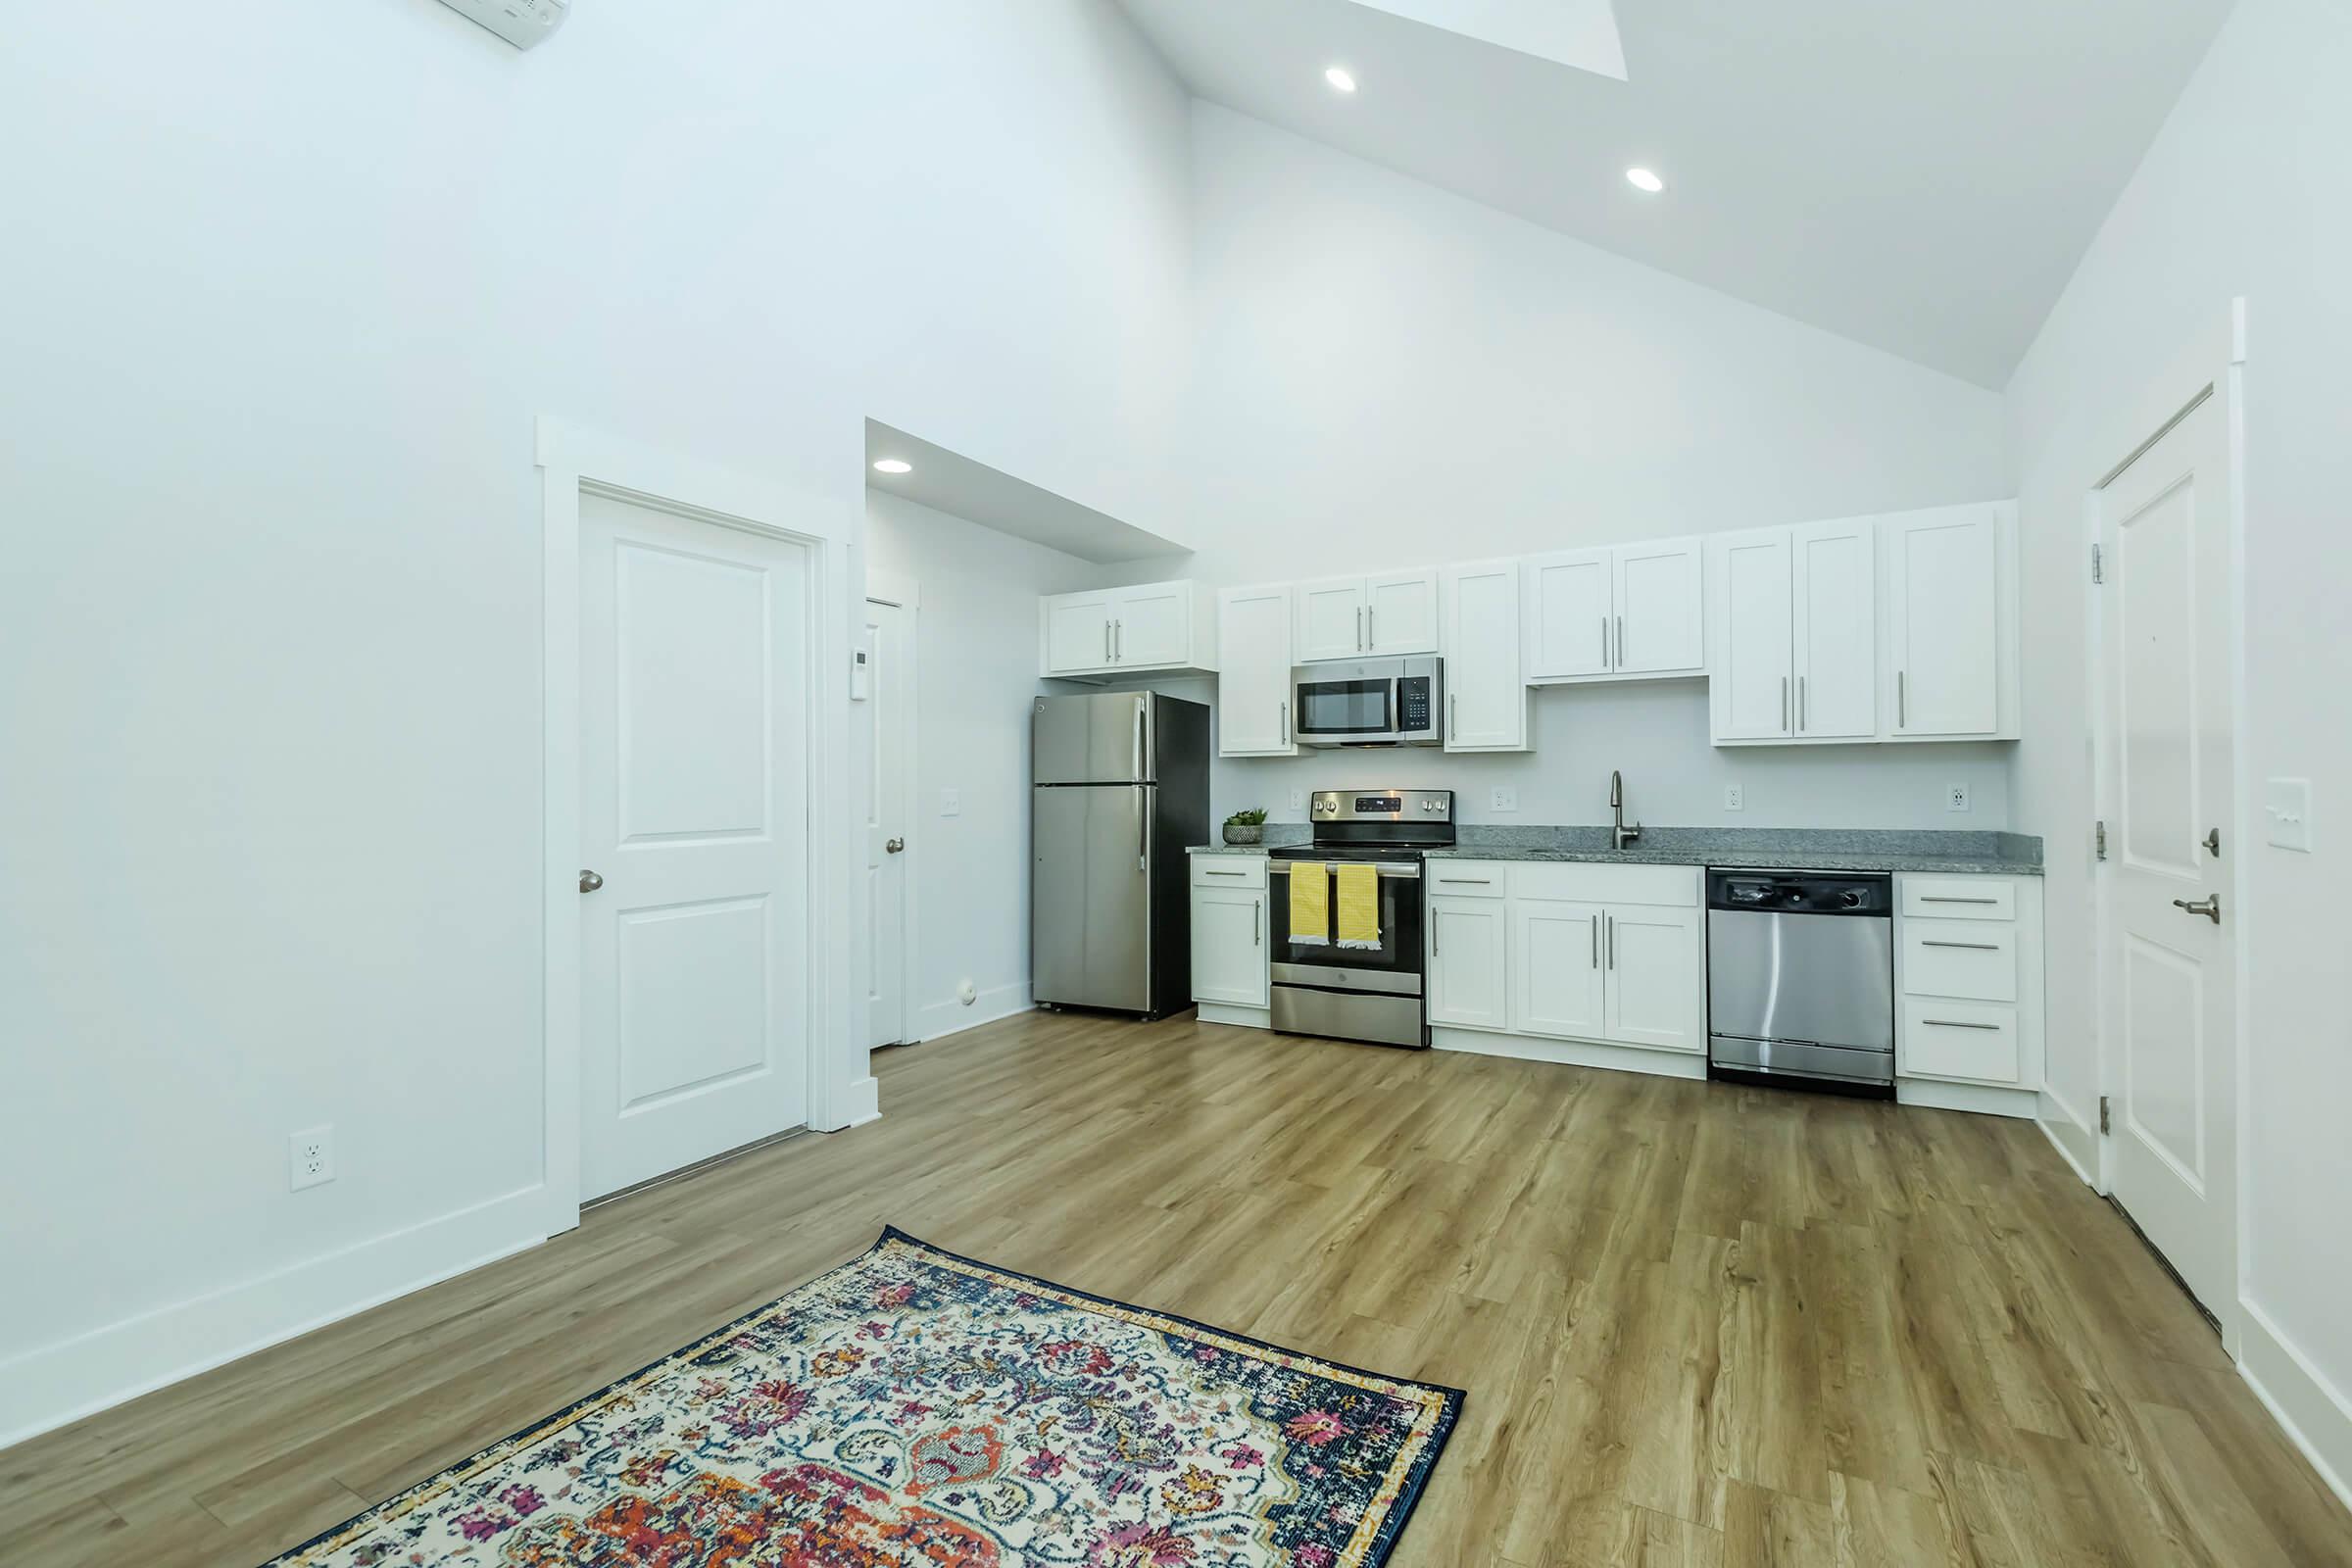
[590, 881]
[2210, 907]
[895, 846]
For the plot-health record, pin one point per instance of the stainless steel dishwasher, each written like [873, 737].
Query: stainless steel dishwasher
[1801, 976]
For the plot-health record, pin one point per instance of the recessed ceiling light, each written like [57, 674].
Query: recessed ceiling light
[894, 466]
[1644, 179]
[1340, 77]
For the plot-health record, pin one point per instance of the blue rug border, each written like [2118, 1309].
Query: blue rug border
[1407, 1500]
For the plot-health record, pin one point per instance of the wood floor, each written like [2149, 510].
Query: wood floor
[1699, 1325]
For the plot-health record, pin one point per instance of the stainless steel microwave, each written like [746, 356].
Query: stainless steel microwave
[1373, 701]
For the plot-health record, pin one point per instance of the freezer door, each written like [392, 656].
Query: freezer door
[1091, 896]
[1102, 739]
[1824, 979]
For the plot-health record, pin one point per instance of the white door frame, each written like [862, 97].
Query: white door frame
[2211, 368]
[905, 595]
[569, 457]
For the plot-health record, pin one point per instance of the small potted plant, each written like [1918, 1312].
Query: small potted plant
[1246, 828]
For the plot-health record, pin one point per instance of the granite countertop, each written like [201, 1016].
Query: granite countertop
[1790, 849]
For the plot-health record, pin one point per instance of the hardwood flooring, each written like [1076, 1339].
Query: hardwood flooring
[1699, 1325]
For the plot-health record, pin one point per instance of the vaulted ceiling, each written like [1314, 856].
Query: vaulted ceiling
[1920, 177]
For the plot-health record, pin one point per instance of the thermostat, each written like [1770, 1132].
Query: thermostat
[521, 23]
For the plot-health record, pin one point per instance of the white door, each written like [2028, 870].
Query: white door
[888, 728]
[1660, 625]
[1942, 622]
[1752, 668]
[2170, 972]
[1330, 620]
[1253, 672]
[1466, 967]
[1229, 945]
[1657, 984]
[1077, 633]
[1569, 628]
[694, 702]
[1152, 626]
[1555, 968]
[1485, 697]
[1837, 635]
[1400, 613]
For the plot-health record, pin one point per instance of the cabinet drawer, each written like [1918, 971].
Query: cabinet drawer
[1466, 879]
[1592, 882]
[1959, 1039]
[1228, 870]
[1960, 897]
[1967, 958]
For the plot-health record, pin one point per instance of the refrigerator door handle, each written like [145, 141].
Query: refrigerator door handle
[1138, 742]
[1142, 845]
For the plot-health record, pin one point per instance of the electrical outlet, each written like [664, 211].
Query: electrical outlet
[951, 802]
[1503, 798]
[1735, 798]
[1298, 800]
[310, 1158]
[1955, 797]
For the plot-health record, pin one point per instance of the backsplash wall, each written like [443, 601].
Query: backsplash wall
[1656, 733]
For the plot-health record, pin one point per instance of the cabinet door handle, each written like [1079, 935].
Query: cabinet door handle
[1940, 898]
[1604, 642]
[1257, 919]
[1118, 640]
[1973, 947]
[1620, 642]
[1464, 881]
[1371, 627]
[1106, 642]
[1434, 948]
[1784, 705]
[1612, 920]
[1228, 873]
[1594, 923]
[1453, 717]
[1801, 723]
[1360, 628]
[1285, 723]
[1902, 699]
[1954, 1023]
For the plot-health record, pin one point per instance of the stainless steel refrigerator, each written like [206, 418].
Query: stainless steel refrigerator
[1120, 788]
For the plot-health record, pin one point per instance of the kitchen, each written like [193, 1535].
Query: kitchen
[1902, 962]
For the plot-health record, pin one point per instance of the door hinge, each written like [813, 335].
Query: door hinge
[2106, 1116]
[2098, 837]
[2098, 565]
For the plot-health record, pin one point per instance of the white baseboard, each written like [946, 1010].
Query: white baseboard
[1983, 1100]
[2070, 1136]
[1226, 1013]
[862, 1101]
[2314, 1414]
[943, 1018]
[1572, 1053]
[46, 1388]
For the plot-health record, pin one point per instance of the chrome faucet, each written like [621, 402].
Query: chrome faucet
[1619, 833]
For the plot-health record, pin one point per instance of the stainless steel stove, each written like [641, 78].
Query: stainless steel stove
[1368, 994]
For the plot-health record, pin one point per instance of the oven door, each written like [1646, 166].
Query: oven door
[1392, 969]
[1345, 713]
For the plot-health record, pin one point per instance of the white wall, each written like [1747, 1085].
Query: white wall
[976, 671]
[2245, 192]
[287, 284]
[1389, 375]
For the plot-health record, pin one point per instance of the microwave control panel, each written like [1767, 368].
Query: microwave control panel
[1412, 705]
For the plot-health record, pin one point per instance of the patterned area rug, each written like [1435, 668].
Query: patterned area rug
[914, 1407]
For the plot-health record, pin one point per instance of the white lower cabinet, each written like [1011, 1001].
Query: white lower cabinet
[1468, 941]
[1968, 965]
[1612, 955]
[1229, 930]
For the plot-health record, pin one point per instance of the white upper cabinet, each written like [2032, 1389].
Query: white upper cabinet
[1943, 621]
[1571, 617]
[1077, 633]
[1486, 693]
[1601, 614]
[1660, 617]
[1834, 626]
[1897, 629]
[1253, 672]
[1367, 617]
[1754, 659]
[1149, 626]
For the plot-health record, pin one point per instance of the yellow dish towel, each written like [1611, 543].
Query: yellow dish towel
[1359, 906]
[1310, 904]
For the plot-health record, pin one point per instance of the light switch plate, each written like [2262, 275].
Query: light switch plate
[1735, 798]
[2287, 813]
[1298, 800]
[951, 802]
[1503, 798]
